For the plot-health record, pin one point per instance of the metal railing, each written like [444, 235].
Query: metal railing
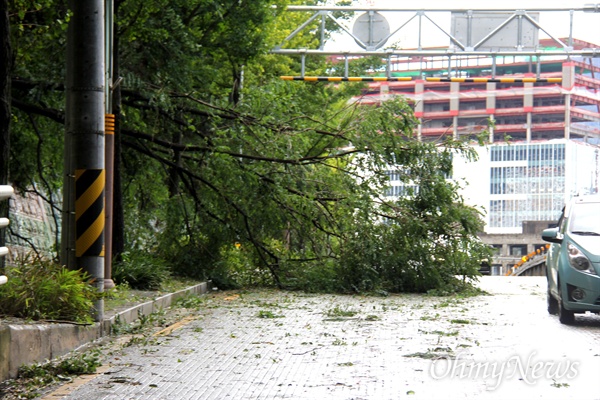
[5, 193]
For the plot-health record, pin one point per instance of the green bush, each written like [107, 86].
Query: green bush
[46, 290]
[396, 257]
[237, 268]
[319, 276]
[140, 270]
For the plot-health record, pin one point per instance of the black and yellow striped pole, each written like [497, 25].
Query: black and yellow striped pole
[89, 212]
[82, 245]
[497, 80]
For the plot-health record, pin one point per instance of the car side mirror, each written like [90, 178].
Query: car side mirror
[552, 235]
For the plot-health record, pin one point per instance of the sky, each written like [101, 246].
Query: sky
[586, 26]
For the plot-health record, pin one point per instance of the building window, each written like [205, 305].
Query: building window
[400, 190]
[496, 250]
[527, 182]
[518, 250]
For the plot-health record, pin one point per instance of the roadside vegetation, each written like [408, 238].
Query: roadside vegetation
[37, 379]
[225, 172]
[46, 291]
[43, 290]
[34, 378]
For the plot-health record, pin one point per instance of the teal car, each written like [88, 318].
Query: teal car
[573, 260]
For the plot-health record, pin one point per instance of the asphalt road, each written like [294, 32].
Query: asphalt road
[278, 345]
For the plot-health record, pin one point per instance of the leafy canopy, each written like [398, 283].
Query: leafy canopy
[228, 173]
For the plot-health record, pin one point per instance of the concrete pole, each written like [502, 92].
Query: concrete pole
[568, 81]
[109, 151]
[490, 106]
[83, 227]
[454, 106]
[528, 107]
[419, 106]
[109, 142]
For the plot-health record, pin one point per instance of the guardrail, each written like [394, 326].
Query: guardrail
[6, 192]
[535, 257]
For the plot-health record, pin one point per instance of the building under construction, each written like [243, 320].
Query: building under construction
[502, 73]
[542, 109]
[541, 118]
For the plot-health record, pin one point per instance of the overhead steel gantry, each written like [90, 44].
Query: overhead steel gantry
[467, 37]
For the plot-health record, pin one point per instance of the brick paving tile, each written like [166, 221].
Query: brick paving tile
[281, 345]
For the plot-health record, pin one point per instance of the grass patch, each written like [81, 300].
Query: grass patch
[440, 333]
[191, 301]
[144, 323]
[457, 289]
[268, 314]
[429, 317]
[32, 379]
[44, 290]
[460, 321]
[435, 353]
[339, 312]
[345, 364]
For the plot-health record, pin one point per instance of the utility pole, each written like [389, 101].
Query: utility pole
[109, 142]
[82, 242]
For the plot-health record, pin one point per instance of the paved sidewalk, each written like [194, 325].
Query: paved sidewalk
[280, 345]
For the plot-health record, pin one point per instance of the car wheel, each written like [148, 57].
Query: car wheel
[552, 304]
[565, 316]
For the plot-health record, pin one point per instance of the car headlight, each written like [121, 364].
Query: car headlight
[579, 261]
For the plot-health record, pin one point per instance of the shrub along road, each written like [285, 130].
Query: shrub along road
[281, 345]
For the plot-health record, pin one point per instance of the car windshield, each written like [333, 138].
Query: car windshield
[585, 219]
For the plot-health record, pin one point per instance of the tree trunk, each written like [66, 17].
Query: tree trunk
[238, 82]
[6, 58]
[173, 172]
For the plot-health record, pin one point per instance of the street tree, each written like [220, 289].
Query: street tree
[225, 172]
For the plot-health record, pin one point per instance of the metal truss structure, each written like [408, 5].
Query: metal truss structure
[476, 33]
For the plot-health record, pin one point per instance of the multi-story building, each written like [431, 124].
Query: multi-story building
[543, 135]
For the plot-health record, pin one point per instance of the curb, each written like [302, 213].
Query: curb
[28, 344]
